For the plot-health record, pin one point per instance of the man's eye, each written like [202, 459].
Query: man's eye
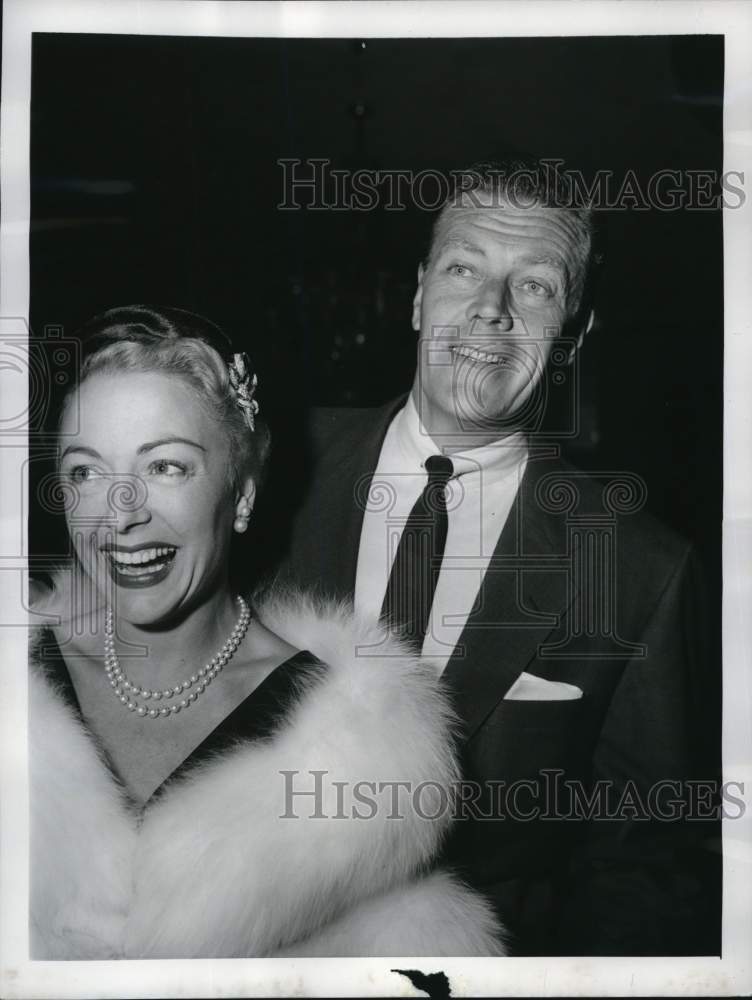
[536, 288]
[461, 270]
[163, 467]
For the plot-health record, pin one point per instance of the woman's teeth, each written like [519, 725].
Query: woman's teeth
[475, 355]
[141, 562]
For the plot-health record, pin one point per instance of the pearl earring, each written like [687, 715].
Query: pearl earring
[240, 524]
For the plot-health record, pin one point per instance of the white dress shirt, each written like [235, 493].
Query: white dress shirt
[479, 497]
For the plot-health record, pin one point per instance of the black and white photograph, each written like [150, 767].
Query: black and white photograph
[375, 478]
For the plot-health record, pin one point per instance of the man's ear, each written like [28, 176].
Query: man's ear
[584, 330]
[418, 299]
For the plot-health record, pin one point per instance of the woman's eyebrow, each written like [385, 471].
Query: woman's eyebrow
[150, 445]
[82, 448]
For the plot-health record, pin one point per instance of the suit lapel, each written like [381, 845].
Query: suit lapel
[345, 489]
[524, 593]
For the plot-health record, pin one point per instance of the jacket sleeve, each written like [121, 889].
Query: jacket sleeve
[648, 882]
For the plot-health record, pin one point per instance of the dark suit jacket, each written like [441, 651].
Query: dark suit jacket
[583, 588]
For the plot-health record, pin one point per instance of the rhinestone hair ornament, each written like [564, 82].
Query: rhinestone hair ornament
[244, 385]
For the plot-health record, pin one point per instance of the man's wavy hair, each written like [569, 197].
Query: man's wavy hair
[527, 182]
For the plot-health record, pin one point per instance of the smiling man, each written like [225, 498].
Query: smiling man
[562, 617]
[500, 283]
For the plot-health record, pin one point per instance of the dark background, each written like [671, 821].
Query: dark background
[155, 178]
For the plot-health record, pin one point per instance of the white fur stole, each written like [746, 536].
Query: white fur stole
[215, 867]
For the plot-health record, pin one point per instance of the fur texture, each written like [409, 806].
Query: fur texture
[213, 868]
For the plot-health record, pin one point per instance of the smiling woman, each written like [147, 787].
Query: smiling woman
[150, 469]
[166, 717]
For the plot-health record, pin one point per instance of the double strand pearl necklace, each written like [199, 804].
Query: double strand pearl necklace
[128, 693]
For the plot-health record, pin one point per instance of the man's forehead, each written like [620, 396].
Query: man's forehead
[536, 222]
[537, 229]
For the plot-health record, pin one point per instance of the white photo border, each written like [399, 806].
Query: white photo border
[697, 976]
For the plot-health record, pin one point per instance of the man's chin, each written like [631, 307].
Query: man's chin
[489, 418]
[464, 432]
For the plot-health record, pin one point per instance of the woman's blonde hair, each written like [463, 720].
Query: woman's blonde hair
[176, 342]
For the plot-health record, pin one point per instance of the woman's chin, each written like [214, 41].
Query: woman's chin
[146, 608]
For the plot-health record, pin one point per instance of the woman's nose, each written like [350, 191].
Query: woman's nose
[128, 501]
[490, 306]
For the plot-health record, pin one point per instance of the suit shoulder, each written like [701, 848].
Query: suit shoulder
[644, 540]
[326, 420]
[341, 427]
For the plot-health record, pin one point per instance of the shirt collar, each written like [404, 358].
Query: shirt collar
[497, 459]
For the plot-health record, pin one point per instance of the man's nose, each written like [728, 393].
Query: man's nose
[491, 306]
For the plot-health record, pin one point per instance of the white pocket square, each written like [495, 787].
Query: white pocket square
[528, 687]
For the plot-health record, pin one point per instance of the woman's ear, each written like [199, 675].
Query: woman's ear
[249, 493]
[244, 505]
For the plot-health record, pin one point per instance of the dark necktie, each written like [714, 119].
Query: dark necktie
[416, 566]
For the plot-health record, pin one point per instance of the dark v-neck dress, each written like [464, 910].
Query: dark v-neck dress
[256, 717]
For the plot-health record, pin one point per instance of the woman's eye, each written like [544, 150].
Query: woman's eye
[82, 474]
[164, 467]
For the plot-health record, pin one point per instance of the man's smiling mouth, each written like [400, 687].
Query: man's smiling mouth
[486, 357]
